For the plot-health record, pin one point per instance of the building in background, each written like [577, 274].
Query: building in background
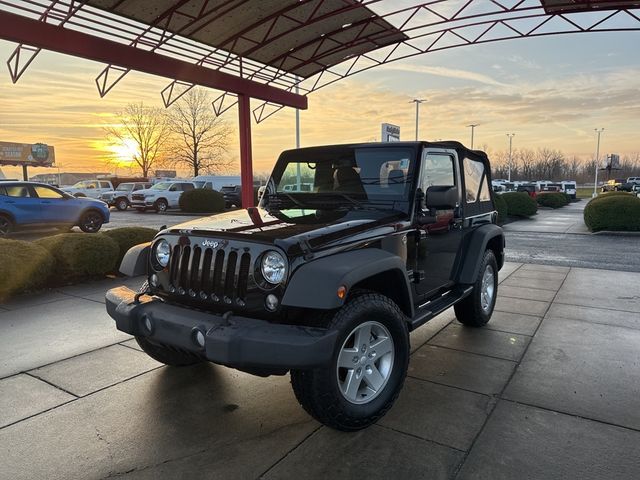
[66, 178]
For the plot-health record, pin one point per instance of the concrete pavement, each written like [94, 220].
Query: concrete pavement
[549, 389]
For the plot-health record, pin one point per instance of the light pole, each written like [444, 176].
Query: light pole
[595, 182]
[417, 101]
[298, 176]
[473, 126]
[510, 135]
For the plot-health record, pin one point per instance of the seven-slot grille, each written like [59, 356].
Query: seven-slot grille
[208, 273]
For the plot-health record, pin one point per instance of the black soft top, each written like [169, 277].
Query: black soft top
[463, 152]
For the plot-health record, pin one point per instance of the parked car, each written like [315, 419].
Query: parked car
[529, 189]
[613, 184]
[216, 182]
[635, 180]
[325, 284]
[89, 188]
[121, 196]
[232, 195]
[96, 188]
[30, 204]
[161, 196]
[569, 187]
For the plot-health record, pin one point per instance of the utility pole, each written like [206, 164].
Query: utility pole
[417, 101]
[595, 182]
[473, 126]
[298, 176]
[510, 135]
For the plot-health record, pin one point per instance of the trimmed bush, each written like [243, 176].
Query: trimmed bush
[501, 207]
[128, 237]
[202, 200]
[81, 255]
[520, 204]
[553, 200]
[614, 212]
[611, 194]
[24, 266]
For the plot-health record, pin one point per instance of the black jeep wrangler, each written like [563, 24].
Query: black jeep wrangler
[325, 282]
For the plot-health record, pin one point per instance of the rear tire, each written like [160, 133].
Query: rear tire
[91, 221]
[167, 355]
[6, 226]
[367, 370]
[476, 309]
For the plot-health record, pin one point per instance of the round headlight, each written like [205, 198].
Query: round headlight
[163, 253]
[274, 267]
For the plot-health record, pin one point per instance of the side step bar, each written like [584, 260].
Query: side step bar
[437, 306]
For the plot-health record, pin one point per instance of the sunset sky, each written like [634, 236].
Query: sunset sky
[551, 92]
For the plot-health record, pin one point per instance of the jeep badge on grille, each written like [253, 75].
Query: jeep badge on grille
[210, 243]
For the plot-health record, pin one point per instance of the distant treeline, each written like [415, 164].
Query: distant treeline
[549, 164]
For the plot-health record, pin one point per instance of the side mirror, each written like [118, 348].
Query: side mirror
[442, 198]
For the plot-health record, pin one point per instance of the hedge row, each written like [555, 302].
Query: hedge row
[614, 211]
[553, 199]
[202, 200]
[519, 204]
[65, 258]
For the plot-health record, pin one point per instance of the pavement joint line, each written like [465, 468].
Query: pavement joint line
[511, 333]
[569, 414]
[452, 386]
[560, 317]
[295, 447]
[77, 398]
[58, 387]
[598, 308]
[498, 397]
[481, 354]
[61, 360]
[122, 344]
[428, 339]
[413, 435]
[27, 305]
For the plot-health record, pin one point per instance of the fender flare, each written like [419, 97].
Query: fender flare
[136, 260]
[315, 284]
[474, 251]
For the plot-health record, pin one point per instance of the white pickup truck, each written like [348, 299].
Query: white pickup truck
[161, 196]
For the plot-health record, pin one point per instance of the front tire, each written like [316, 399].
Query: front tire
[166, 355]
[367, 369]
[161, 205]
[122, 204]
[91, 221]
[476, 309]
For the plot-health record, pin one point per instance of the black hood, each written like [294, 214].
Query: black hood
[289, 228]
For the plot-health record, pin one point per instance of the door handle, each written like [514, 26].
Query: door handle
[9, 201]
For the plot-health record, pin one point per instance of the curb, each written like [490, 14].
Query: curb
[615, 233]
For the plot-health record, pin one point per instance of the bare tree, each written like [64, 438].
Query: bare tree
[200, 138]
[145, 127]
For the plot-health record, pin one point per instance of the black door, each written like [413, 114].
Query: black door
[438, 243]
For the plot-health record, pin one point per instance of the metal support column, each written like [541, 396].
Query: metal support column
[246, 167]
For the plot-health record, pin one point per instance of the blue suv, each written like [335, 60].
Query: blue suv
[29, 204]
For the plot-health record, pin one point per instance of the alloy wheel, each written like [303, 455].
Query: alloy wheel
[365, 362]
[487, 290]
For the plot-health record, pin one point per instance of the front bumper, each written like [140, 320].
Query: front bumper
[238, 342]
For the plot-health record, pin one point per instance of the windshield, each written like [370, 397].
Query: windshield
[79, 185]
[125, 187]
[347, 177]
[161, 186]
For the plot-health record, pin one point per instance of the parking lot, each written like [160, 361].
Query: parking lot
[548, 390]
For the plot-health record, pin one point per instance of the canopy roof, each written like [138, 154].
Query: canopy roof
[322, 33]
[571, 6]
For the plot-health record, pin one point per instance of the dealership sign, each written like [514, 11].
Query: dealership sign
[390, 133]
[31, 154]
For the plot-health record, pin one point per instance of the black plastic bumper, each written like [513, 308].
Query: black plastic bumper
[238, 342]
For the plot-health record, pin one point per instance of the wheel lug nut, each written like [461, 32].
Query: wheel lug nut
[355, 359]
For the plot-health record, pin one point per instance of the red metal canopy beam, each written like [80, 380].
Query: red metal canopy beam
[20, 29]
